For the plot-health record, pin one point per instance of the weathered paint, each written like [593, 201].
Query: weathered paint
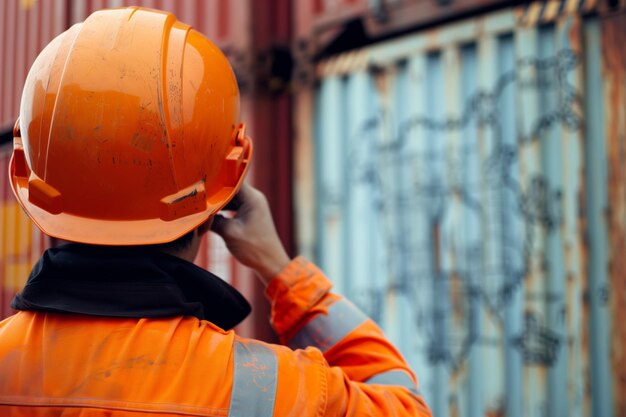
[461, 201]
[597, 204]
[614, 88]
[321, 21]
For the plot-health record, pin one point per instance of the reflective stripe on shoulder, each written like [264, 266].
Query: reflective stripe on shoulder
[394, 377]
[325, 331]
[254, 381]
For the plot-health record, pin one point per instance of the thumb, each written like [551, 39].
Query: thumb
[227, 228]
[220, 223]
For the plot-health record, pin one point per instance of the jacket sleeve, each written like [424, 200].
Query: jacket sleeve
[361, 372]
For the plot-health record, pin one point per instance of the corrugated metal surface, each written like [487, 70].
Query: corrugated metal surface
[28, 25]
[322, 21]
[468, 189]
[612, 296]
[220, 20]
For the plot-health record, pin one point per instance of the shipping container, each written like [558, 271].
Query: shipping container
[468, 188]
[253, 34]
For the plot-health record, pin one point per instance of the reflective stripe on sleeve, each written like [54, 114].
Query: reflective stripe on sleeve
[254, 381]
[325, 331]
[394, 377]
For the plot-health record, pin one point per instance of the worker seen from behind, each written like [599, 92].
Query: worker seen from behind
[127, 147]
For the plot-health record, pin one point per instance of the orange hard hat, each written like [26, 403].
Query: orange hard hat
[128, 132]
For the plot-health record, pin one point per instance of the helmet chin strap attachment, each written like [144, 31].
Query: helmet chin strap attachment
[19, 166]
[193, 199]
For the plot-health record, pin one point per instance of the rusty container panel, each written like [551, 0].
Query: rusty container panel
[325, 21]
[250, 44]
[614, 64]
[467, 187]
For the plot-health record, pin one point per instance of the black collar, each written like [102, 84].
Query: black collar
[138, 282]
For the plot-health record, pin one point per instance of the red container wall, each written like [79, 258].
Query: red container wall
[28, 25]
[220, 20]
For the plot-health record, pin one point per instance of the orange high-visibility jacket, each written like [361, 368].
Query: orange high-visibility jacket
[78, 365]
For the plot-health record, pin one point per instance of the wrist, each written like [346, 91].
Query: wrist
[272, 267]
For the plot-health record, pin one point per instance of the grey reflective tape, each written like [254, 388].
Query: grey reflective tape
[324, 331]
[254, 381]
[395, 377]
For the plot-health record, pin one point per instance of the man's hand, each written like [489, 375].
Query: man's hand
[251, 236]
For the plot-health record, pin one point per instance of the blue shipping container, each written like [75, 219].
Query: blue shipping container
[468, 192]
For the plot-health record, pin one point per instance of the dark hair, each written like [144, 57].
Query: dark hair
[177, 245]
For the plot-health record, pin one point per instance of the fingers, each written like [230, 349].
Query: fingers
[218, 223]
[223, 226]
[251, 195]
[244, 203]
[234, 204]
[245, 190]
[245, 196]
[250, 236]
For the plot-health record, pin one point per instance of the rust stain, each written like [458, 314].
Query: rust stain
[457, 296]
[584, 290]
[614, 71]
[495, 412]
[454, 410]
[380, 80]
[27, 4]
[576, 281]
[436, 247]
[459, 375]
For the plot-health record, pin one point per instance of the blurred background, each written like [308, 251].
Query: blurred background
[455, 166]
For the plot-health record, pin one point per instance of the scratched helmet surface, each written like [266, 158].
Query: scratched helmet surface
[128, 132]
